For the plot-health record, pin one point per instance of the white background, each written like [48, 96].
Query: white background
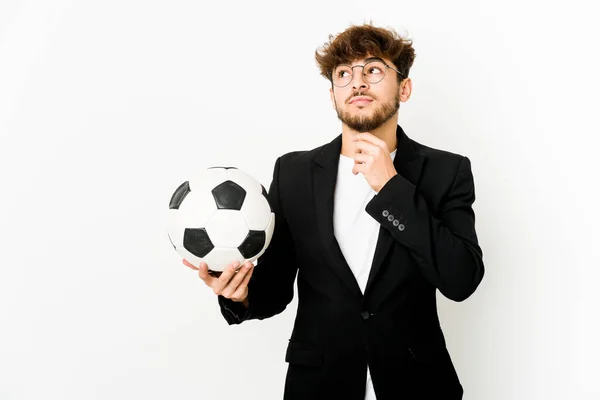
[107, 106]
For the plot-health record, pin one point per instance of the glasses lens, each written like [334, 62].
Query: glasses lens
[342, 75]
[374, 71]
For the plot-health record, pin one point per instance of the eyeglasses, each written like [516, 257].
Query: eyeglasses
[373, 72]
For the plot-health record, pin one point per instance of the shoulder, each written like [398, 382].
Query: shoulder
[300, 158]
[441, 160]
[437, 155]
[441, 170]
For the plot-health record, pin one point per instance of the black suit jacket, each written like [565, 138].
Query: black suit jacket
[427, 242]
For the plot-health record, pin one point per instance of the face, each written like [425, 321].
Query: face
[365, 106]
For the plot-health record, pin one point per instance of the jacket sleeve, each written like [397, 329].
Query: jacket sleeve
[446, 249]
[271, 287]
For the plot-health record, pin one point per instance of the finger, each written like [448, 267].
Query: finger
[204, 275]
[359, 169]
[370, 138]
[221, 282]
[366, 147]
[188, 264]
[241, 289]
[362, 158]
[237, 280]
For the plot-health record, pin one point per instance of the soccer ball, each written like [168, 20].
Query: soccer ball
[219, 216]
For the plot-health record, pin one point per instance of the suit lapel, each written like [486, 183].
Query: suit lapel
[408, 164]
[325, 175]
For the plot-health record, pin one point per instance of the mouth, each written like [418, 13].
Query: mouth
[361, 100]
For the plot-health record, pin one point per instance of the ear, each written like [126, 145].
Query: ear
[332, 98]
[405, 89]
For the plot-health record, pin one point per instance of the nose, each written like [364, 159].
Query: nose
[358, 79]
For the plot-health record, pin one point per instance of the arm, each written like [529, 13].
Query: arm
[447, 248]
[271, 287]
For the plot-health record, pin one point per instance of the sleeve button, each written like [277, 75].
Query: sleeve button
[385, 213]
[401, 227]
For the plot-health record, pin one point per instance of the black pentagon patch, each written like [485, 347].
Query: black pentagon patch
[253, 243]
[264, 192]
[197, 242]
[229, 196]
[171, 240]
[179, 195]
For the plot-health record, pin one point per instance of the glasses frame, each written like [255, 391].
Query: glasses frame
[370, 60]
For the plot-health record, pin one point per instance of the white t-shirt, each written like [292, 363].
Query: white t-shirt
[355, 230]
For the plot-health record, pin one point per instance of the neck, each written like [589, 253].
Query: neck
[386, 132]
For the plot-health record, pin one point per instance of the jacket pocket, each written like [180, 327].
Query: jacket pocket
[305, 354]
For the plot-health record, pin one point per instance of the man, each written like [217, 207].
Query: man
[371, 224]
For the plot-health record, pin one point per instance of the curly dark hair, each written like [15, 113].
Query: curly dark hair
[360, 41]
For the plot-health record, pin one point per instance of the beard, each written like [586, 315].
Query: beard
[362, 123]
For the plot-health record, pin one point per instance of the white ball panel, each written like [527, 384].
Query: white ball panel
[189, 257]
[175, 228]
[257, 211]
[249, 183]
[269, 231]
[256, 256]
[208, 179]
[227, 228]
[220, 257]
[196, 209]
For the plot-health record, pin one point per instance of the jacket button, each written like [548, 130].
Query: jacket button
[390, 217]
[401, 227]
[365, 315]
[385, 213]
[395, 222]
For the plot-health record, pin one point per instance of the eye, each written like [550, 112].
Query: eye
[343, 72]
[374, 70]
